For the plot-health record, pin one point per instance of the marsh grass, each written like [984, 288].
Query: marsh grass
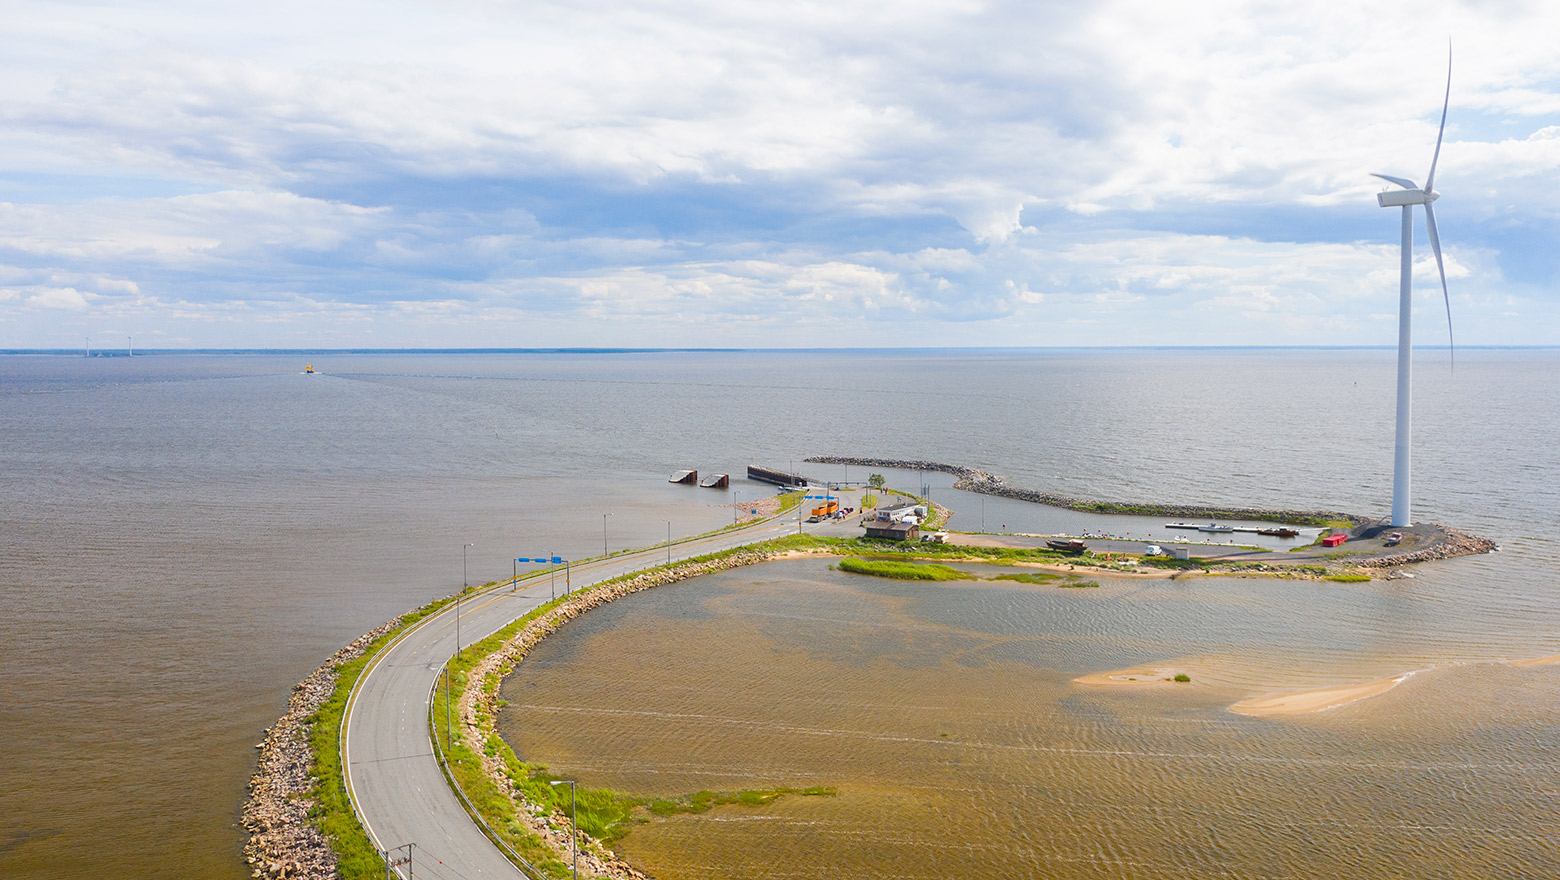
[905, 571]
[1029, 577]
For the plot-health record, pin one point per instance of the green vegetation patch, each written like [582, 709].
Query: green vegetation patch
[905, 571]
[1029, 577]
[332, 813]
[1349, 578]
[1182, 677]
[604, 814]
[1079, 583]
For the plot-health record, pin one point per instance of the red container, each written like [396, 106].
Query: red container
[1334, 540]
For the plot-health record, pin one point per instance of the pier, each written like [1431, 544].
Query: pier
[777, 478]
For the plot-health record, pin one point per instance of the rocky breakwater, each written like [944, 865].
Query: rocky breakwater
[1448, 542]
[975, 480]
[282, 840]
[478, 705]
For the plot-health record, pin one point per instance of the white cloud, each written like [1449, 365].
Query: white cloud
[58, 298]
[790, 163]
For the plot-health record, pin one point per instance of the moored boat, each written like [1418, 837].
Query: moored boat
[1069, 546]
[1279, 533]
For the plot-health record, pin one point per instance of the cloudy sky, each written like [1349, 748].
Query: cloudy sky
[722, 173]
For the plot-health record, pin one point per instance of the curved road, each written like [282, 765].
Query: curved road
[390, 767]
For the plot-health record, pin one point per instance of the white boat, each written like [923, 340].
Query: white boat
[1215, 527]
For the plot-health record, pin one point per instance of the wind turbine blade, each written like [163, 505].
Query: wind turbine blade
[1435, 245]
[1445, 104]
[1406, 184]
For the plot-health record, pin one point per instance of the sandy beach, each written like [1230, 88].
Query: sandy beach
[1316, 700]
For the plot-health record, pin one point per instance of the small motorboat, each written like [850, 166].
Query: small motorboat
[1278, 533]
[1394, 539]
[1215, 527]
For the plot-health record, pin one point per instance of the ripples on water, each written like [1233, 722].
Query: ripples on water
[945, 716]
[182, 538]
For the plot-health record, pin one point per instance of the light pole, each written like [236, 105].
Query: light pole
[604, 535]
[668, 542]
[464, 583]
[736, 499]
[574, 827]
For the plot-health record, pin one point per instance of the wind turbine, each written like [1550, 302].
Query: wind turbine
[1406, 198]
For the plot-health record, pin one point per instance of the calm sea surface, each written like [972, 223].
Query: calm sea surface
[183, 537]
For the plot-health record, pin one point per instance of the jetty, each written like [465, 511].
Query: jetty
[777, 478]
[1221, 529]
[716, 481]
[689, 477]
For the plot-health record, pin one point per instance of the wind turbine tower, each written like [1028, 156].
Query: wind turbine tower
[1406, 198]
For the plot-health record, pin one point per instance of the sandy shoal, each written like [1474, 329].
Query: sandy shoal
[1538, 661]
[1137, 676]
[1302, 702]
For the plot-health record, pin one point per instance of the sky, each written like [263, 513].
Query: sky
[646, 173]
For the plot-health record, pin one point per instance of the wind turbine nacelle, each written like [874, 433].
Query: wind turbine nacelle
[1397, 198]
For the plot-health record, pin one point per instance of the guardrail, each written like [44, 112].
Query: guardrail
[525, 867]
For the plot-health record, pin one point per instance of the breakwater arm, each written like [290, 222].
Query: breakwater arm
[976, 480]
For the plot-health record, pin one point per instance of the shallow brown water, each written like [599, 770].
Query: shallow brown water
[945, 716]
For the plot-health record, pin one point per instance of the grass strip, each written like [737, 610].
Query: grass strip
[603, 814]
[332, 813]
[905, 571]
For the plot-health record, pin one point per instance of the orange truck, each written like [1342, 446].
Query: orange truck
[827, 508]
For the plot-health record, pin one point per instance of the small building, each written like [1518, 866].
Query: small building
[1334, 540]
[1182, 553]
[893, 531]
[902, 513]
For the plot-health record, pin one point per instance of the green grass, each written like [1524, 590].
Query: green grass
[603, 813]
[1349, 578]
[905, 571]
[332, 812]
[1172, 562]
[1029, 577]
[1182, 677]
[1079, 584]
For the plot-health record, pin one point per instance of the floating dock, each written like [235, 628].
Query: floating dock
[689, 477]
[716, 481]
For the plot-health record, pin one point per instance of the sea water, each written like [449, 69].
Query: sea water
[184, 536]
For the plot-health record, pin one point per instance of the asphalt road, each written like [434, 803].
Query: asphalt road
[391, 769]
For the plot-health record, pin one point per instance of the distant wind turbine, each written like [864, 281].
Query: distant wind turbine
[1406, 198]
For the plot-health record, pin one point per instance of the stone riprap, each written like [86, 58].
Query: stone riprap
[282, 840]
[1451, 542]
[478, 704]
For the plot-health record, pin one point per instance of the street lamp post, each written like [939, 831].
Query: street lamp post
[604, 535]
[574, 827]
[464, 583]
[668, 542]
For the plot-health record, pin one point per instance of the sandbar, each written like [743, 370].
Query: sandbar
[1316, 700]
[1538, 661]
[1137, 676]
